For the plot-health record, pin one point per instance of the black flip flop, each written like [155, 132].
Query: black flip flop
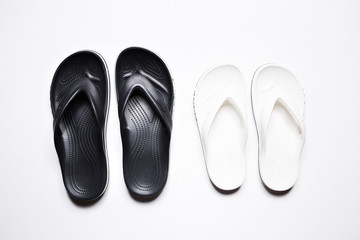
[79, 98]
[145, 101]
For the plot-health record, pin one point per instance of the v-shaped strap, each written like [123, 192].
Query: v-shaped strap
[289, 106]
[217, 102]
[138, 82]
[83, 85]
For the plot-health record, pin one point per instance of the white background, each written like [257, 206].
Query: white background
[319, 41]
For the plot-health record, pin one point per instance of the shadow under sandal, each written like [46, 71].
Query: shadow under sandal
[79, 102]
[145, 102]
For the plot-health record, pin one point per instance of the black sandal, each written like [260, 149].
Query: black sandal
[79, 98]
[145, 102]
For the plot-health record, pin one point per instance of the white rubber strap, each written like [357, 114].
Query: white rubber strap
[288, 104]
[216, 102]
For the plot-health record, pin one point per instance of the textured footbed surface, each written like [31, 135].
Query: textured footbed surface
[79, 141]
[145, 138]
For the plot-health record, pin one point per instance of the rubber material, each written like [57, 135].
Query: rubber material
[145, 102]
[278, 104]
[220, 107]
[79, 98]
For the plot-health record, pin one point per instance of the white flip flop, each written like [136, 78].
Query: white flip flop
[220, 102]
[278, 104]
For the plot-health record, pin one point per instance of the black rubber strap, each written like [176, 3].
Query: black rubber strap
[83, 85]
[138, 82]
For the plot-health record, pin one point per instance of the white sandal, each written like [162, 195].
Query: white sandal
[278, 104]
[220, 107]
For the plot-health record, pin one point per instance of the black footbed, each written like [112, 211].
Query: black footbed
[79, 103]
[145, 101]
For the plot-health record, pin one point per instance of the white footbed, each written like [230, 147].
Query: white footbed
[278, 105]
[221, 113]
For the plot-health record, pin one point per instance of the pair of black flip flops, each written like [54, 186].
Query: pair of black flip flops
[80, 101]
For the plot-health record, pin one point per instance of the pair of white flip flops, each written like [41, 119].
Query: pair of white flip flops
[221, 108]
